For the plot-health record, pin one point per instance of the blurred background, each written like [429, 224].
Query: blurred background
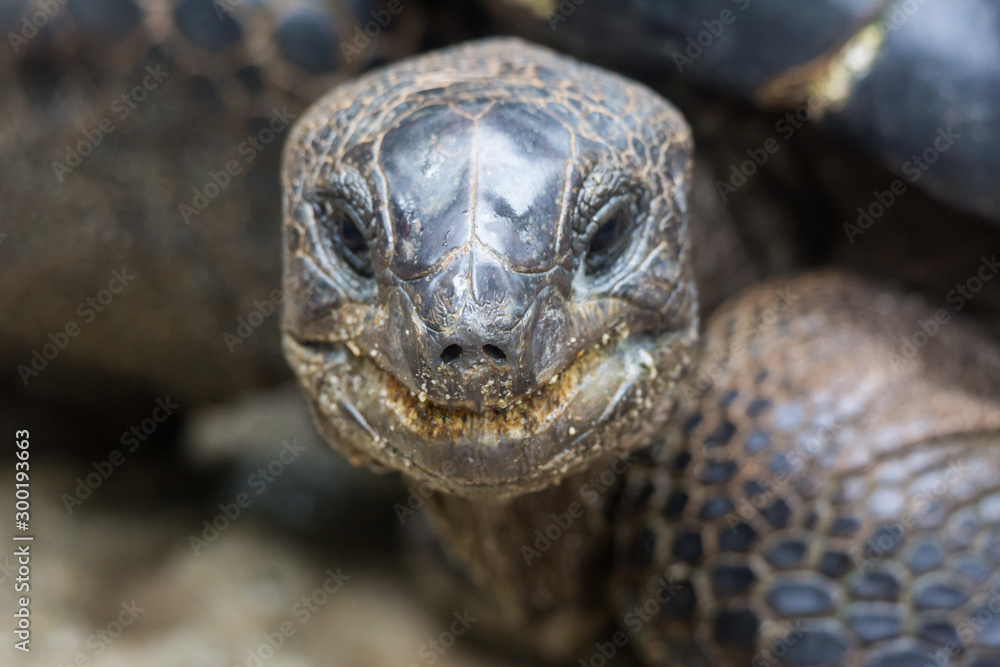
[183, 510]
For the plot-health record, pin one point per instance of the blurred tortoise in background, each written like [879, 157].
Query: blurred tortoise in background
[140, 188]
[913, 83]
[489, 289]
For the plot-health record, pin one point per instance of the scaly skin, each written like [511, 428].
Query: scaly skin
[565, 517]
[813, 464]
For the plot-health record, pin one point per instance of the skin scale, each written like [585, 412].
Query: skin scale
[490, 291]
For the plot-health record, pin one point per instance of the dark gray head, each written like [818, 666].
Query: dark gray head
[487, 251]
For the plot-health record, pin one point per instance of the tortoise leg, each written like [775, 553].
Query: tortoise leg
[829, 495]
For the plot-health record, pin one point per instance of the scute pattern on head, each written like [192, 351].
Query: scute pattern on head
[492, 333]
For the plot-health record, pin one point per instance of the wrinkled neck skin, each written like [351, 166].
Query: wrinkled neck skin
[541, 560]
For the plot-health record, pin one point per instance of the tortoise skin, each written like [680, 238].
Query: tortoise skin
[730, 506]
[820, 498]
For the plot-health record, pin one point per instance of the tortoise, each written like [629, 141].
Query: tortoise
[231, 65]
[911, 82]
[172, 178]
[491, 291]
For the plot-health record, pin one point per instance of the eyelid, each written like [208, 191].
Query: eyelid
[612, 207]
[344, 181]
[606, 191]
[331, 204]
[329, 230]
[348, 189]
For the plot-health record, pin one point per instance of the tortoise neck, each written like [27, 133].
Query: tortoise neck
[541, 560]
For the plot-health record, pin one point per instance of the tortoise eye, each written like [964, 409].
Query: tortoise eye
[605, 245]
[352, 238]
[606, 216]
[342, 231]
[610, 239]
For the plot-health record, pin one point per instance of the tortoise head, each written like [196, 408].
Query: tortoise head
[488, 284]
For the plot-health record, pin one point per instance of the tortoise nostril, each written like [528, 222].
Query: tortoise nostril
[495, 353]
[451, 353]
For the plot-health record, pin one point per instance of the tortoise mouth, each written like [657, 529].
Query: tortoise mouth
[521, 418]
[599, 403]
